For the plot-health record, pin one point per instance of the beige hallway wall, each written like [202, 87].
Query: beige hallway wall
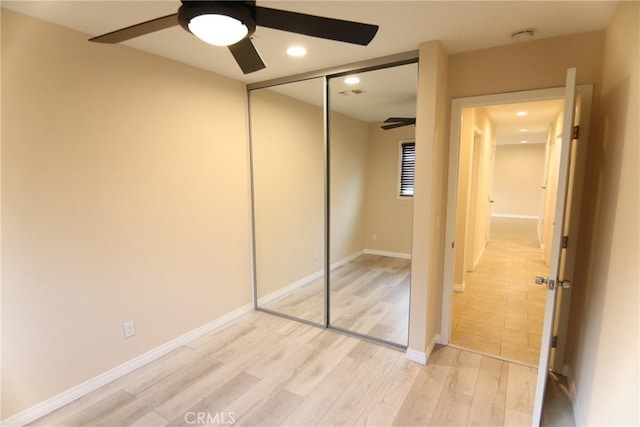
[479, 207]
[467, 133]
[124, 197]
[517, 180]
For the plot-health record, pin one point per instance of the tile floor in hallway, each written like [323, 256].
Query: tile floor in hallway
[501, 309]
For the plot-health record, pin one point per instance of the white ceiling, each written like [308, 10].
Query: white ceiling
[460, 25]
[388, 92]
[537, 122]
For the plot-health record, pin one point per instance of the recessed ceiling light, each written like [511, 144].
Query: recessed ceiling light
[524, 141]
[296, 51]
[523, 130]
[352, 80]
[521, 113]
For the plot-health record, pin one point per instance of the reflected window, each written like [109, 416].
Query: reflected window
[407, 168]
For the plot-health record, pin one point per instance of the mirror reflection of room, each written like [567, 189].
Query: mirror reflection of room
[287, 145]
[371, 199]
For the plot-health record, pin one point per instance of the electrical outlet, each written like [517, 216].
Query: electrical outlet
[374, 236]
[129, 329]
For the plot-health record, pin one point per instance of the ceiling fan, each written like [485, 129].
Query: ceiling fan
[231, 24]
[396, 122]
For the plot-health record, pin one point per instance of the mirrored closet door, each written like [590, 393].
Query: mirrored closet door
[371, 201]
[288, 171]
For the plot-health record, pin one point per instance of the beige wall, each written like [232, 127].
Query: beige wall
[517, 179]
[602, 351]
[387, 215]
[481, 174]
[430, 197]
[289, 171]
[124, 197]
[523, 66]
[349, 182]
[287, 140]
[467, 133]
[475, 173]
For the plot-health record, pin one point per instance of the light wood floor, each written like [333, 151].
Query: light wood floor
[268, 371]
[501, 310]
[369, 295]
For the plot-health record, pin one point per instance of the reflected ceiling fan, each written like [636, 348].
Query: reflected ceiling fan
[231, 24]
[397, 122]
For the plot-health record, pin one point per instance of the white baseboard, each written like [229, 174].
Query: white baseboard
[477, 260]
[575, 404]
[387, 253]
[459, 287]
[305, 280]
[318, 274]
[290, 288]
[435, 340]
[420, 357]
[347, 259]
[416, 356]
[501, 215]
[41, 409]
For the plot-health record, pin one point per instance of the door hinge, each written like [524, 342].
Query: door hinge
[576, 132]
[453, 245]
[554, 342]
[565, 242]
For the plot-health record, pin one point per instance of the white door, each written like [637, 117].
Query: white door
[556, 268]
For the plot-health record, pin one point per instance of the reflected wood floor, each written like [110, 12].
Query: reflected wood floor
[264, 370]
[369, 295]
[501, 310]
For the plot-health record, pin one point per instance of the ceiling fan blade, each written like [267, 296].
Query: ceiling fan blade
[247, 56]
[400, 119]
[395, 125]
[316, 26]
[140, 29]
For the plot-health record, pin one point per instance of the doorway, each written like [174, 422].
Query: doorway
[506, 180]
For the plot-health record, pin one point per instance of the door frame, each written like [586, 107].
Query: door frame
[457, 104]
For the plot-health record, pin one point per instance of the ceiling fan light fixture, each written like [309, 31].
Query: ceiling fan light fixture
[218, 30]
[216, 23]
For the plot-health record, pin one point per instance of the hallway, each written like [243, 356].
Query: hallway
[501, 310]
